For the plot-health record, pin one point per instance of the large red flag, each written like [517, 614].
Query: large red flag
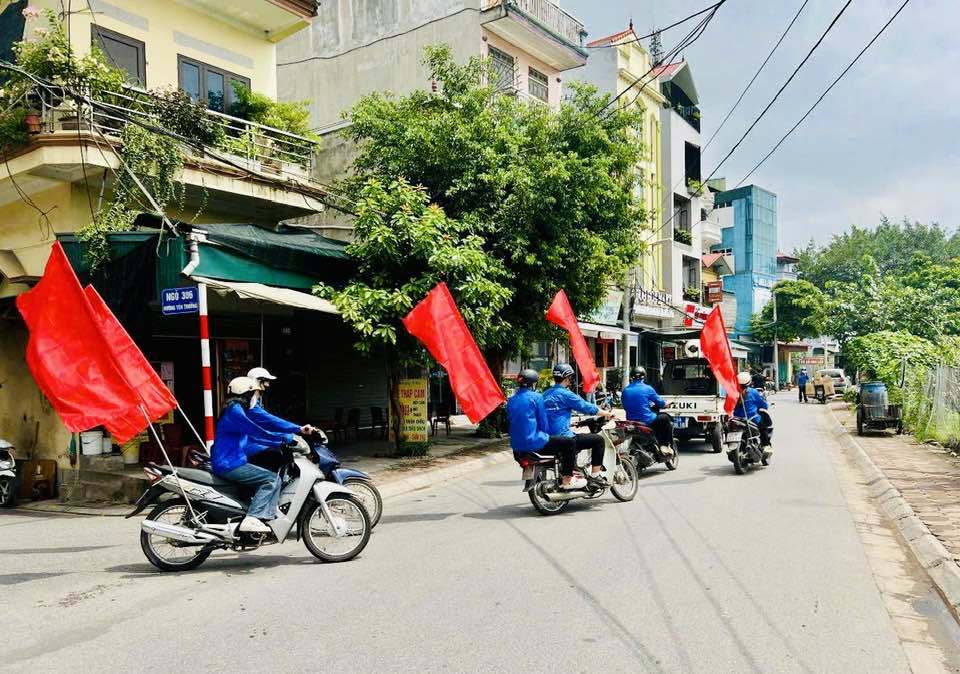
[561, 313]
[437, 323]
[156, 398]
[715, 347]
[68, 356]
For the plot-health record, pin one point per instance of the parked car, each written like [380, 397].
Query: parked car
[840, 382]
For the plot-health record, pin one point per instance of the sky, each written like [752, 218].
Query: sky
[885, 141]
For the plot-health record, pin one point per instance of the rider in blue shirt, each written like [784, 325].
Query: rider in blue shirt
[560, 402]
[642, 403]
[529, 430]
[749, 406]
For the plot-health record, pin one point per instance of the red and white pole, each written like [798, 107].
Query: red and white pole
[205, 364]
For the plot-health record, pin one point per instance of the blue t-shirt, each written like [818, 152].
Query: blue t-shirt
[528, 421]
[560, 402]
[802, 379]
[749, 404]
[237, 437]
[636, 402]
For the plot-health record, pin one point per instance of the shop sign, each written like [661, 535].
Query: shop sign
[813, 360]
[714, 292]
[695, 313]
[652, 303]
[609, 311]
[176, 301]
[412, 396]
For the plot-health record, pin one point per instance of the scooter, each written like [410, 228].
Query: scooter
[747, 448]
[541, 474]
[643, 447]
[196, 513]
[8, 475]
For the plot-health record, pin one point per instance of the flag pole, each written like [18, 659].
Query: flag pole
[192, 428]
[173, 469]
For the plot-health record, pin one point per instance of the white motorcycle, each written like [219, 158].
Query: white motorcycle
[8, 475]
[197, 513]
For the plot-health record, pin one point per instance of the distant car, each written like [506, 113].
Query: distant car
[839, 378]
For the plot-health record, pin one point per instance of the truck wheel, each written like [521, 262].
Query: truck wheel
[716, 438]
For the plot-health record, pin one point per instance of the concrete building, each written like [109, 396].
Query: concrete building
[356, 47]
[749, 216]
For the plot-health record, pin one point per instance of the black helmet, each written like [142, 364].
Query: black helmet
[528, 377]
[638, 373]
[562, 371]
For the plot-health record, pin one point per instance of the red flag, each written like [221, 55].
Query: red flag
[67, 354]
[715, 347]
[561, 313]
[437, 323]
[156, 398]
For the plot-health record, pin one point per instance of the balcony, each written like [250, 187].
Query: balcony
[540, 28]
[273, 19]
[684, 236]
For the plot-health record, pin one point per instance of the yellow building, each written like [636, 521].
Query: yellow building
[52, 183]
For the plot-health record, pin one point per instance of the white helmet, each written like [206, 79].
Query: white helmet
[240, 385]
[744, 378]
[260, 373]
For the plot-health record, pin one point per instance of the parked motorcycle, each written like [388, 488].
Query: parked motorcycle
[541, 474]
[643, 447]
[745, 443]
[8, 475]
[196, 513]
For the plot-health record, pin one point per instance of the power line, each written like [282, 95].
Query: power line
[781, 89]
[757, 74]
[659, 30]
[824, 94]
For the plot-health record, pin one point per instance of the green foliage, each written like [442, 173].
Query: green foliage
[292, 116]
[13, 130]
[801, 312]
[549, 194]
[403, 247]
[683, 236]
[412, 449]
[884, 353]
[179, 113]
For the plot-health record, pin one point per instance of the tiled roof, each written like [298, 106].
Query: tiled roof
[668, 69]
[613, 39]
[710, 259]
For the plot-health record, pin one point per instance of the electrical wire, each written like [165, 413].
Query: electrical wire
[659, 30]
[824, 94]
[757, 74]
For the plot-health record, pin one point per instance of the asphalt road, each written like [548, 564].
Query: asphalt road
[705, 571]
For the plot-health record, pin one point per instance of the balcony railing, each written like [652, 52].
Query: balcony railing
[690, 113]
[251, 145]
[547, 14]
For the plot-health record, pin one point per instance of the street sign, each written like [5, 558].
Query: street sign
[175, 301]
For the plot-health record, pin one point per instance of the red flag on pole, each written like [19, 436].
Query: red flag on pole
[561, 313]
[715, 347]
[439, 326]
[156, 398]
[68, 356]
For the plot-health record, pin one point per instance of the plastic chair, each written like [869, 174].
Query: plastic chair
[378, 420]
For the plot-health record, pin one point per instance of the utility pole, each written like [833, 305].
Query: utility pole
[776, 350]
[625, 347]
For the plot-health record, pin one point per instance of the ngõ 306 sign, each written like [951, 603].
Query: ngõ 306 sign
[175, 301]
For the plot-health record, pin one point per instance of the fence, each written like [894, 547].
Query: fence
[931, 404]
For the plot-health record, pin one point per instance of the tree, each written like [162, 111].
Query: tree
[549, 194]
[801, 311]
[404, 246]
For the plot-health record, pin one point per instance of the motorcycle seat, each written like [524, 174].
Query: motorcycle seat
[202, 477]
[535, 458]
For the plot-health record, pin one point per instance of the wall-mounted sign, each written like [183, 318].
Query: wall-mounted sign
[609, 311]
[412, 396]
[652, 303]
[714, 292]
[175, 301]
[695, 314]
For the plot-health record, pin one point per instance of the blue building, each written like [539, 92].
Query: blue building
[750, 234]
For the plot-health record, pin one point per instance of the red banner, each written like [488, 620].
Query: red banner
[68, 356]
[437, 323]
[561, 313]
[715, 347]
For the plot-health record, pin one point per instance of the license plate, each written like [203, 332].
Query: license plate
[680, 422]
[528, 473]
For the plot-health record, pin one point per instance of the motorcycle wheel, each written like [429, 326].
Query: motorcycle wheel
[540, 502]
[166, 554]
[369, 495]
[318, 532]
[674, 460]
[739, 466]
[8, 492]
[716, 439]
[627, 490]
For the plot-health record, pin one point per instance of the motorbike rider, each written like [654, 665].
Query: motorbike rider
[237, 437]
[642, 403]
[263, 418]
[749, 406]
[528, 430]
[559, 402]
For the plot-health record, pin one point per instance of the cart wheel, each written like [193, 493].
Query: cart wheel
[899, 428]
[859, 422]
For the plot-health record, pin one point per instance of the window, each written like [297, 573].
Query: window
[502, 69]
[538, 85]
[124, 52]
[209, 84]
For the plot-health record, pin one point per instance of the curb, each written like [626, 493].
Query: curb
[66, 509]
[434, 476]
[931, 554]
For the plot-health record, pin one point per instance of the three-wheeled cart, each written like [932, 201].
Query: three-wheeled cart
[874, 411]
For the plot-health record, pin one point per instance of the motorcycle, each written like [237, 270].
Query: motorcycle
[643, 447]
[8, 475]
[747, 447]
[196, 513]
[541, 474]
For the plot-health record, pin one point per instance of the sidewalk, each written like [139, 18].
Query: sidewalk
[450, 456]
[918, 486]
